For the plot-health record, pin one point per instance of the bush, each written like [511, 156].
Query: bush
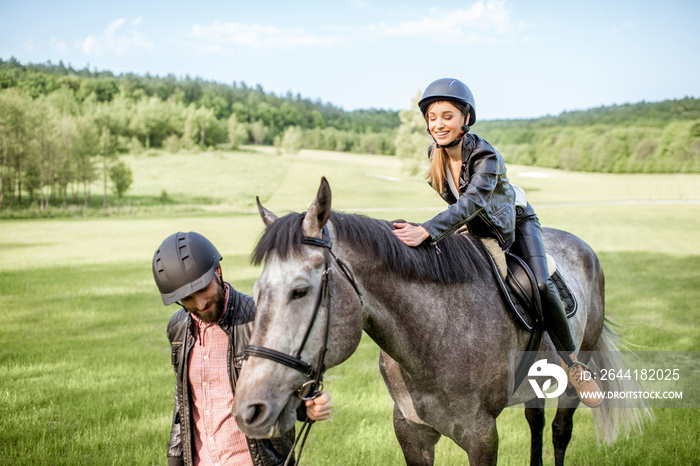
[135, 147]
[165, 197]
[122, 178]
[292, 140]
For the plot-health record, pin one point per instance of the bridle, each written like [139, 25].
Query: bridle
[314, 385]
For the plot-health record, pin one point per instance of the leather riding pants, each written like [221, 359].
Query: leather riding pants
[528, 246]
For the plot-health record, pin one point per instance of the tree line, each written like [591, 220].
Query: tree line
[645, 137]
[62, 129]
[249, 104]
[658, 137]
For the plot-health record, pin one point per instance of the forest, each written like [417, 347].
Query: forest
[658, 137]
[644, 137]
[63, 129]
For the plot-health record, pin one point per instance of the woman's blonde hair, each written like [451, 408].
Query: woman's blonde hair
[438, 157]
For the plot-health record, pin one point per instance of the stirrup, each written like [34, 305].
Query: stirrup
[591, 403]
[582, 365]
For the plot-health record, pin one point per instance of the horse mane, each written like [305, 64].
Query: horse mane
[458, 260]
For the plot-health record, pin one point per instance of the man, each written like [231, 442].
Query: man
[207, 338]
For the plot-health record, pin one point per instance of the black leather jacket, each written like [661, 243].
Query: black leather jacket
[237, 323]
[486, 201]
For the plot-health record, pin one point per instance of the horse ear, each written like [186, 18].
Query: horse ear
[267, 216]
[319, 212]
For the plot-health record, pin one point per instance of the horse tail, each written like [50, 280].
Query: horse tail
[616, 415]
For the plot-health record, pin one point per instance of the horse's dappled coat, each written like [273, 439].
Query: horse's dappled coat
[445, 336]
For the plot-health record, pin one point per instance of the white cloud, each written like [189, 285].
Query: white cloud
[58, 46]
[29, 45]
[625, 26]
[482, 22]
[116, 41]
[114, 26]
[359, 4]
[90, 46]
[222, 38]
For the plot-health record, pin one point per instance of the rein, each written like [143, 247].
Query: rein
[313, 387]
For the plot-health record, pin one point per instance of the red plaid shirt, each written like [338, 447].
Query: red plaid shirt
[217, 439]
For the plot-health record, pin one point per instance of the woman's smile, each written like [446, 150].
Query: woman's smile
[445, 121]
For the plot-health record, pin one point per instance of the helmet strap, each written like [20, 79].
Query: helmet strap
[452, 144]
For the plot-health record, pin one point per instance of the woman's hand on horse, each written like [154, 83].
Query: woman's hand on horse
[410, 235]
[319, 408]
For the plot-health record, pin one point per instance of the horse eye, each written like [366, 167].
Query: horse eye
[299, 293]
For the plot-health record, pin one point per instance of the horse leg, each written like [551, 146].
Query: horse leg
[562, 427]
[480, 441]
[417, 441]
[534, 413]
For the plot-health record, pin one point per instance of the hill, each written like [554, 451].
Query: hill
[62, 128]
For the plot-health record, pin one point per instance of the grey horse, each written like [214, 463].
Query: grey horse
[444, 332]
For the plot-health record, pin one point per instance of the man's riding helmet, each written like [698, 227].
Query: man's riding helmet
[448, 89]
[184, 264]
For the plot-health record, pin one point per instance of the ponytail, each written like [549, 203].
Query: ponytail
[436, 173]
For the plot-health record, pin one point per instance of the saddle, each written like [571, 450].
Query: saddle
[519, 287]
[521, 295]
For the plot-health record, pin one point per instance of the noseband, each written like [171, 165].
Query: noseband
[314, 385]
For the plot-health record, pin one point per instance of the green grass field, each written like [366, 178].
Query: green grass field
[85, 375]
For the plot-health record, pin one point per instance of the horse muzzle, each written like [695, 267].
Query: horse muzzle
[259, 418]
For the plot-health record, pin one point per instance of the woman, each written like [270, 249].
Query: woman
[470, 175]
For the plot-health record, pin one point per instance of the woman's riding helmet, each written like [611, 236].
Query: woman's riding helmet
[451, 90]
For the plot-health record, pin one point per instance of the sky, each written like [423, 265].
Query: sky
[521, 59]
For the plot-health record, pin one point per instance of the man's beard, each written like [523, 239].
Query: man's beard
[213, 315]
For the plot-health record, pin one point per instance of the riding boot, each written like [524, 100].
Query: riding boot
[554, 315]
[579, 374]
[529, 246]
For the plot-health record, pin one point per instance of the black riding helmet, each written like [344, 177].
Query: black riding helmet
[448, 89]
[452, 90]
[184, 264]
